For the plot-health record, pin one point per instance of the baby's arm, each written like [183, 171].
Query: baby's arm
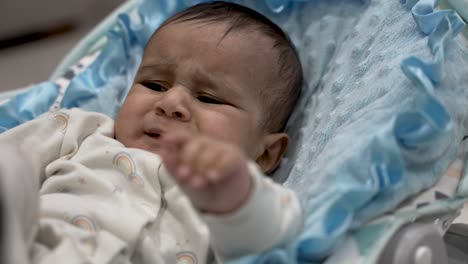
[37, 143]
[270, 217]
[245, 211]
[32, 145]
[25, 151]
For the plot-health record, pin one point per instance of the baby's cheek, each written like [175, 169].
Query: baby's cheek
[220, 127]
[233, 130]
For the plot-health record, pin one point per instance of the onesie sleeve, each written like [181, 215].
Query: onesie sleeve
[36, 143]
[271, 217]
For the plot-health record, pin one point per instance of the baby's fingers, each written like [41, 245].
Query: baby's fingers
[200, 156]
[169, 156]
[171, 149]
[177, 139]
[205, 163]
[197, 182]
[224, 167]
[191, 152]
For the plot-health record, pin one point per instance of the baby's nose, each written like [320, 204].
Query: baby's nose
[174, 104]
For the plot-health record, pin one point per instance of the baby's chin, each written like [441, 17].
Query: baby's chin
[153, 149]
[156, 151]
[147, 146]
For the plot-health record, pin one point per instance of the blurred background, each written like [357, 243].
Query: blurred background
[36, 35]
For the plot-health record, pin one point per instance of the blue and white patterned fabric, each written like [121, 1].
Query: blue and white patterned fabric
[379, 120]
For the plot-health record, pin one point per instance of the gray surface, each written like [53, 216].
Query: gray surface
[34, 62]
[24, 16]
[404, 246]
[456, 241]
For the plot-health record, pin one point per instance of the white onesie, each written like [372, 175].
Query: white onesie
[101, 202]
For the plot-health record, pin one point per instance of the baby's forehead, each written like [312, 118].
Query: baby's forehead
[220, 29]
[216, 40]
[216, 44]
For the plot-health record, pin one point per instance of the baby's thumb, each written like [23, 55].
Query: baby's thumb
[169, 157]
[176, 139]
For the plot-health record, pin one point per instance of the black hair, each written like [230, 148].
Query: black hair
[280, 100]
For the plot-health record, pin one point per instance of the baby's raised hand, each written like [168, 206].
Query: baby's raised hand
[212, 173]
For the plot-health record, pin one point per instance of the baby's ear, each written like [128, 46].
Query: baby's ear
[275, 146]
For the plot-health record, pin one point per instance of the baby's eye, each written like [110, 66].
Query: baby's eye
[209, 100]
[154, 86]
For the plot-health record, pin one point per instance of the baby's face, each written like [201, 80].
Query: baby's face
[192, 79]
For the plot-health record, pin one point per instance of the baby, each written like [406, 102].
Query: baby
[179, 177]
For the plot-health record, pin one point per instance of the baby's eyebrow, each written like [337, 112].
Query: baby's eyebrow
[218, 84]
[158, 66]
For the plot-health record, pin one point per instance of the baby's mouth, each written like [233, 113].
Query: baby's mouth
[154, 135]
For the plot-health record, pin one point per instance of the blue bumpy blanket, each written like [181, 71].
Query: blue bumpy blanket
[380, 118]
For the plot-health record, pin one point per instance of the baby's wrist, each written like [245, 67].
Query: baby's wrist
[231, 200]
